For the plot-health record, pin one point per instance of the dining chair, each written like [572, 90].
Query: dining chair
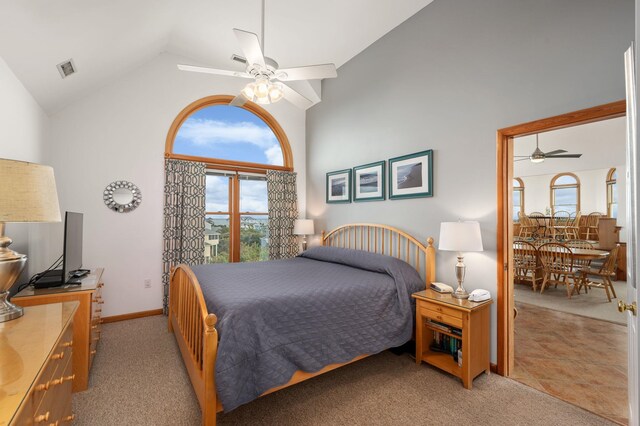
[580, 264]
[526, 226]
[573, 229]
[604, 274]
[592, 225]
[540, 221]
[559, 223]
[525, 263]
[557, 267]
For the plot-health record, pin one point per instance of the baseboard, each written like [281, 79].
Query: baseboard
[494, 368]
[132, 315]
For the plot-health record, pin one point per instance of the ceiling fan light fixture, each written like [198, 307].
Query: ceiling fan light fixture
[276, 92]
[263, 91]
[536, 159]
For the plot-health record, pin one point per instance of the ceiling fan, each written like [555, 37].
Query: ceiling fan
[538, 156]
[267, 86]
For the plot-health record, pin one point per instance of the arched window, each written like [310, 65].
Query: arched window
[565, 193]
[518, 198]
[612, 193]
[239, 145]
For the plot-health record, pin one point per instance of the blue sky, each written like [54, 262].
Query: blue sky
[229, 133]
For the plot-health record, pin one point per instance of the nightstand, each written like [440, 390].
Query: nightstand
[86, 323]
[445, 324]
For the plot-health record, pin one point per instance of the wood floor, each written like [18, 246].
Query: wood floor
[577, 359]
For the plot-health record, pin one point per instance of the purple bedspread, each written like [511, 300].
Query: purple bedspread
[325, 306]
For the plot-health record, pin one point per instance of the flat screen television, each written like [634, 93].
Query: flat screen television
[71, 255]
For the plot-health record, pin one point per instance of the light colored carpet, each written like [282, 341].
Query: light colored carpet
[138, 378]
[592, 305]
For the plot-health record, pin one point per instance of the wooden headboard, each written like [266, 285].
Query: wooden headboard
[386, 240]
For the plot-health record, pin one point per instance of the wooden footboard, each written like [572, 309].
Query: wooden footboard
[194, 326]
[197, 337]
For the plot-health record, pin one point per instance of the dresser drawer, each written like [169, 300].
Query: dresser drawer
[440, 317]
[55, 403]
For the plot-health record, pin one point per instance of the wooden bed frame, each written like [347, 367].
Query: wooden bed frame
[197, 336]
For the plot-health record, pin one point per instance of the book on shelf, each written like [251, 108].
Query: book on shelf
[444, 343]
[444, 327]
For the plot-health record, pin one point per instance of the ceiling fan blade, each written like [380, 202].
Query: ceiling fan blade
[238, 100]
[213, 71]
[521, 156]
[311, 72]
[250, 46]
[296, 98]
[522, 159]
[565, 156]
[557, 151]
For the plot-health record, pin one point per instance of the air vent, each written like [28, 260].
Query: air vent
[67, 68]
[239, 59]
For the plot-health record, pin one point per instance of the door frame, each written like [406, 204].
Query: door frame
[504, 150]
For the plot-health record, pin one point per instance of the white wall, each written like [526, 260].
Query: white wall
[593, 192]
[447, 79]
[118, 133]
[23, 133]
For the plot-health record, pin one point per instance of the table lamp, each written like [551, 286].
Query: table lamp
[303, 227]
[27, 194]
[460, 237]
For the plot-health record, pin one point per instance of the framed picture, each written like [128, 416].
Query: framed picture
[339, 186]
[369, 182]
[411, 176]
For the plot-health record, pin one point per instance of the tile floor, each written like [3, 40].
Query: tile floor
[577, 359]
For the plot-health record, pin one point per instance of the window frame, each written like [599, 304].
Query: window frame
[230, 165]
[521, 190]
[612, 183]
[553, 186]
[235, 167]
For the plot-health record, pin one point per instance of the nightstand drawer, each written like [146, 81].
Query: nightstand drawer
[440, 317]
[456, 313]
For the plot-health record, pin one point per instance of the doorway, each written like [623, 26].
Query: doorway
[506, 209]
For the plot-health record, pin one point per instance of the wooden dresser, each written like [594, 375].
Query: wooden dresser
[36, 360]
[86, 334]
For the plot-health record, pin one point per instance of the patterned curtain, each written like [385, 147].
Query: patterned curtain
[184, 215]
[283, 211]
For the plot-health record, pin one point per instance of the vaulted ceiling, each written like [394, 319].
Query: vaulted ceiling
[106, 39]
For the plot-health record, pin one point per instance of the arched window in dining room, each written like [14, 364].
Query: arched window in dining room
[565, 193]
[518, 198]
[612, 193]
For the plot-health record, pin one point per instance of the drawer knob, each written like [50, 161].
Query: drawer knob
[42, 417]
[70, 418]
[67, 344]
[42, 386]
[58, 356]
[56, 382]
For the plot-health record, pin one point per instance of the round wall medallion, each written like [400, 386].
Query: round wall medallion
[122, 196]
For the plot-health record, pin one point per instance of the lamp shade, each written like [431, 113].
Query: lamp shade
[303, 227]
[460, 236]
[27, 192]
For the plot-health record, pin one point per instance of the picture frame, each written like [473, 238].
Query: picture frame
[369, 182]
[411, 176]
[339, 186]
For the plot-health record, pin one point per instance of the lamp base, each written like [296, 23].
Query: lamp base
[460, 293]
[8, 310]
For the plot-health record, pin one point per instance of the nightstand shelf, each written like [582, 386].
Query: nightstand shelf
[471, 318]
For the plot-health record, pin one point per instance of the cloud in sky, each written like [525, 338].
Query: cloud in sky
[253, 195]
[202, 131]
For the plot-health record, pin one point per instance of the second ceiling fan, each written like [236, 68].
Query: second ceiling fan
[267, 86]
[538, 156]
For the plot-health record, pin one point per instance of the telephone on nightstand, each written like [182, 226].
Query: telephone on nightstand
[441, 288]
[479, 295]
